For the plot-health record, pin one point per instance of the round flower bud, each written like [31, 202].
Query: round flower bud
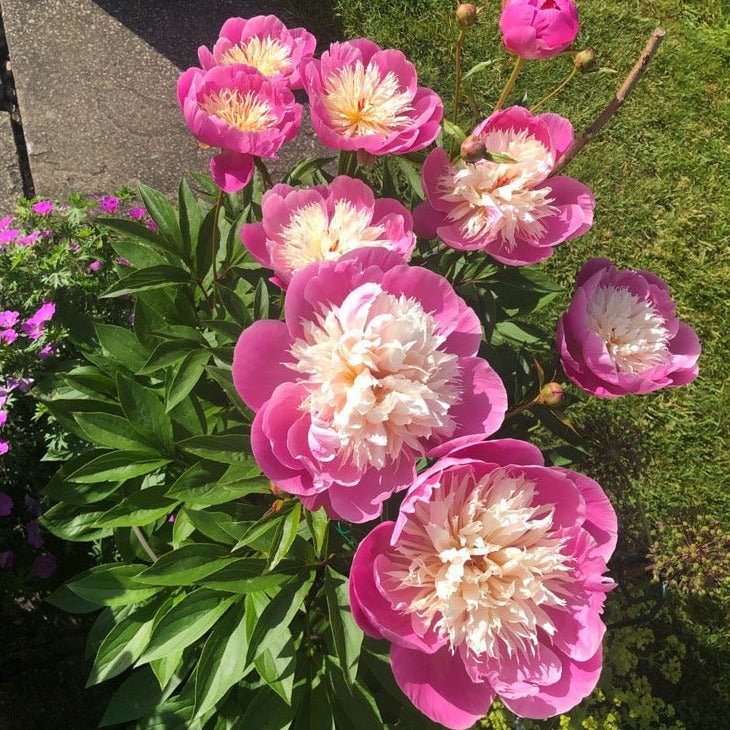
[473, 149]
[585, 60]
[551, 394]
[466, 15]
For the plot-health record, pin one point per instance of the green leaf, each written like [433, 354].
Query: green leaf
[225, 448]
[74, 523]
[354, 707]
[318, 522]
[284, 536]
[186, 377]
[223, 660]
[267, 710]
[203, 486]
[305, 170]
[454, 131]
[162, 212]
[263, 525]
[122, 344]
[525, 334]
[138, 695]
[261, 301]
[92, 381]
[185, 623]
[168, 353]
[246, 575]
[140, 508]
[146, 413]
[347, 636]
[117, 466]
[235, 306]
[223, 377]
[411, 172]
[476, 69]
[218, 526]
[113, 432]
[112, 585]
[65, 599]
[154, 277]
[165, 667]
[190, 218]
[141, 255]
[279, 613]
[123, 644]
[186, 565]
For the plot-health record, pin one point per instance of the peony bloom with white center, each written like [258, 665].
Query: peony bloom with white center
[621, 334]
[374, 367]
[364, 98]
[237, 109]
[514, 211]
[490, 582]
[264, 43]
[324, 222]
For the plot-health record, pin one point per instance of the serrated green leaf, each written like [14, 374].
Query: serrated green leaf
[186, 565]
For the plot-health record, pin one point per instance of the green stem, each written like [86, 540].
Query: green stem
[145, 545]
[457, 82]
[214, 242]
[264, 172]
[519, 63]
[556, 90]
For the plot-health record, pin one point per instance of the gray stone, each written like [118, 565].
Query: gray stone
[11, 187]
[96, 89]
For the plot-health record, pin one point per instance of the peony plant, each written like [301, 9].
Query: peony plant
[335, 485]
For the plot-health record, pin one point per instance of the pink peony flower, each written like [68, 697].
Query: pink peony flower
[513, 211]
[9, 318]
[264, 43]
[108, 203]
[43, 207]
[490, 582]
[44, 565]
[6, 505]
[94, 266]
[621, 334]
[137, 213]
[374, 367]
[240, 111]
[365, 98]
[538, 28]
[324, 222]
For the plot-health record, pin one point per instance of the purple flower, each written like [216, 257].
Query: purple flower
[9, 235]
[171, 518]
[6, 559]
[95, 266]
[44, 566]
[137, 213]
[33, 534]
[4, 447]
[29, 240]
[6, 505]
[122, 261]
[33, 326]
[3, 421]
[22, 384]
[47, 351]
[9, 318]
[32, 505]
[108, 203]
[47, 233]
[45, 312]
[74, 247]
[5, 222]
[43, 207]
[151, 224]
[8, 336]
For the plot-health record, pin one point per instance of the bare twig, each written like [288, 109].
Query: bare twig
[145, 545]
[617, 102]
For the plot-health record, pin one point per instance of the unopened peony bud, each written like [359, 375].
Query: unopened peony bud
[585, 60]
[473, 149]
[551, 394]
[365, 158]
[466, 15]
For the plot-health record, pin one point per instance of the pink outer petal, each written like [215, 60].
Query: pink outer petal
[260, 361]
[426, 220]
[253, 237]
[231, 170]
[439, 686]
[576, 203]
[554, 488]
[435, 167]
[561, 132]
[578, 680]
[523, 672]
[501, 452]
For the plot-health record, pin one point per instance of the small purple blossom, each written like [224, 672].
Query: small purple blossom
[32, 505]
[122, 261]
[151, 224]
[108, 203]
[9, 318]
[6, 559]
[33, 534]
[95, 266]
[46, 351]
[47, 233]
[4, 447]
[8, 336]
[137, 213]
[3, 421]
[43, 207]
[34, 326]
[28, 240]
[6, 505]
[22, 384]
[74, 247]
[44, 566]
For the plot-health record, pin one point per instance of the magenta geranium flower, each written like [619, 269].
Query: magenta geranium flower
[137, 213]
[95, 266]
[240, 111]
[264, 43]
[538, 28]
[490, 582]
[9, 318]
[364, 98]
[42, 207]
[29, 240]
[324, 222]
[9, 235]
[621, 334]
[512, 210]
[108, 203]
[374, 367]
[44, 565]
[34, 326]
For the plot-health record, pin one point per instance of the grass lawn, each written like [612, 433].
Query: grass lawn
[659, 173]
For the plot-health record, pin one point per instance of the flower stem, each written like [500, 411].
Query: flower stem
[519, 63]
[556, 90]
[457, 82]
[264, 172]
[347, 163]
[214, 242]
[145, 545]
